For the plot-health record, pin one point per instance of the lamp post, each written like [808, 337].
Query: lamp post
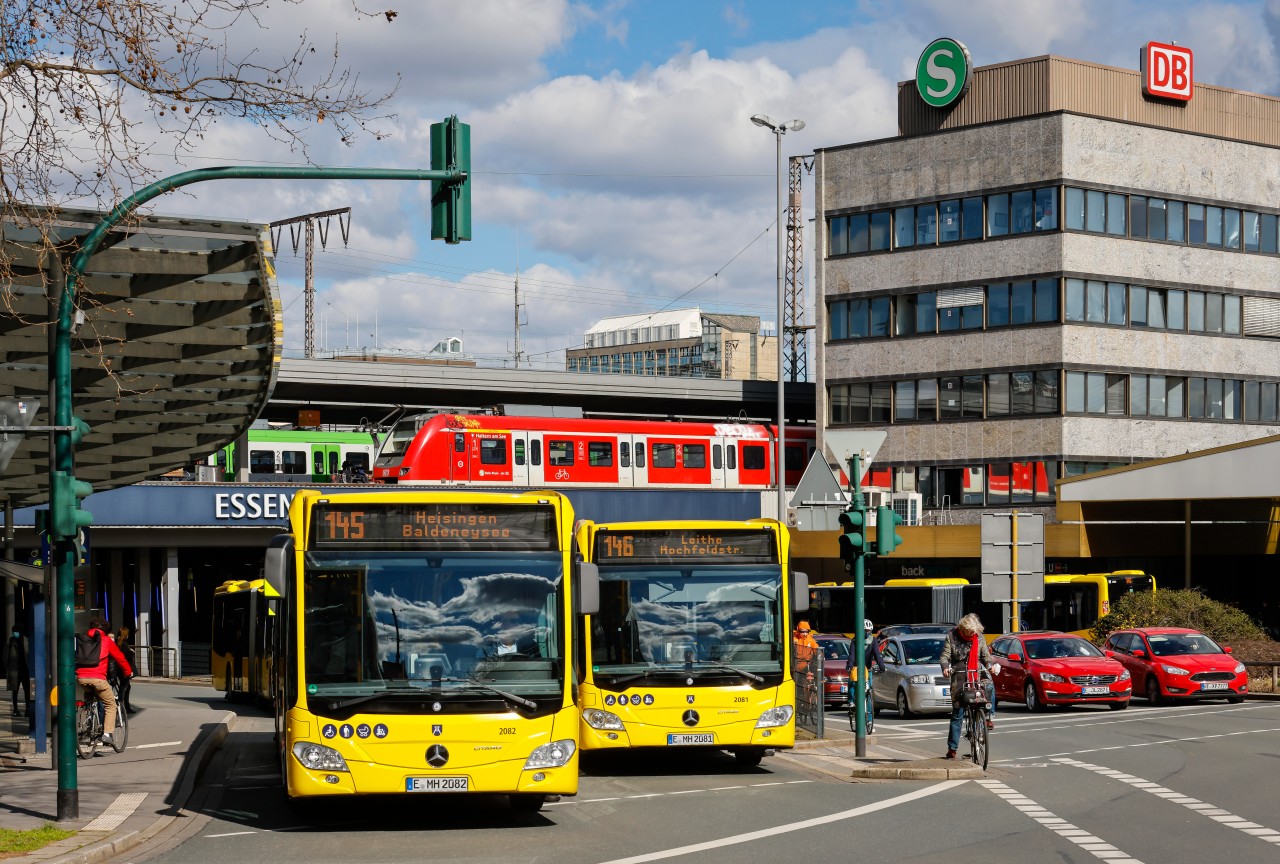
[778, 130]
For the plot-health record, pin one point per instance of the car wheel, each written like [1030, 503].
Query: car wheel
[1031, 698]
[1119, 706]
[1153, 690]
[904, 707]
[1235, 700]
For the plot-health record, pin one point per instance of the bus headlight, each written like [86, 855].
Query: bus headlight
[779, 716]
[551, 755]
[318, 757]
[598, 719]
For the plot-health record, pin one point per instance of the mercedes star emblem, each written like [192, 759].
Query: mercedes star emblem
[689, 718]
[437, 755]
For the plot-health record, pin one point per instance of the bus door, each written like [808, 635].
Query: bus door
[489, 456]
[326, 461]
[948, 603]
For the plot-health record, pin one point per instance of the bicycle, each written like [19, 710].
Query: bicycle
[89, 724]
[974, 699]
[870, 705]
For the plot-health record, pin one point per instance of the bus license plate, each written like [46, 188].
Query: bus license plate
[1095, 691]
[437, 784]
[700, 738]
[1213, 685]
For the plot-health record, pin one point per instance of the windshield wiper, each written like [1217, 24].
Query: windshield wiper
[338, 705]
[750, 676]
[475, 685]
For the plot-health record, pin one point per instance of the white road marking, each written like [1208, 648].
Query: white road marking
[1083, 718]
[667, 794]
[794, 826]
[231, 834]
[1143, 744]
[1099, 847]
[1217, 814]
[159, 744]
[118, 811]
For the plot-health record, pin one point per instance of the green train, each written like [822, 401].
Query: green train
[300, 456]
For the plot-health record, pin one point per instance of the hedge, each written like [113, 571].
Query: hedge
[1178, 609]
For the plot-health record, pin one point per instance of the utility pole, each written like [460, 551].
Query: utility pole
[517, 310]
[309, 232]
[796, 333]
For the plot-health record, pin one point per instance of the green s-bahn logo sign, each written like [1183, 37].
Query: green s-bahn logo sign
[943, 72]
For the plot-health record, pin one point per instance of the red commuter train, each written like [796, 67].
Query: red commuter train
[496, 450]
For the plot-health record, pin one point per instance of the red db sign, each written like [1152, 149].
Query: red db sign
[1166, 71]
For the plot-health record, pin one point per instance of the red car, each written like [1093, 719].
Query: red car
[1177, 663]
[1041, 667]
[835, 680]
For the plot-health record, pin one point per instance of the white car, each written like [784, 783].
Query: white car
[912, 681]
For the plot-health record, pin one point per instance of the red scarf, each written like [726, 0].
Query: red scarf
[973, 654]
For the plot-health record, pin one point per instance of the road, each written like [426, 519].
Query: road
[1151, 784]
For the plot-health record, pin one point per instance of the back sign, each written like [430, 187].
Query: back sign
[1167, 71]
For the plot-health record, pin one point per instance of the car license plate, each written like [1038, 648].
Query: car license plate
[437, 784]
[946, 691]
[844, 688]
[700, 738]
[1095, 691]
[1213, 685]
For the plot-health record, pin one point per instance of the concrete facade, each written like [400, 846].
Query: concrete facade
[1049, 150]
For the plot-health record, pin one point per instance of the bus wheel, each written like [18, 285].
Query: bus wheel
[527, 803]
[748, 758]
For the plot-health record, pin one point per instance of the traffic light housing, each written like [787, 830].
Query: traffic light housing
[853, 524]
[67, 518]
[451, 200]
[887, 537]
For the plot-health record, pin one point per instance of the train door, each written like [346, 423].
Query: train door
[520, 454]
[753, 463]
[629, 447]
[719, 466]
[537, 464]
[489, 457]
[325, 462]
[639, 460]
[458, 471]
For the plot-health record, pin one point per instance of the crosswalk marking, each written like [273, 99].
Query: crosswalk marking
[1205, 809]
[1096, 846]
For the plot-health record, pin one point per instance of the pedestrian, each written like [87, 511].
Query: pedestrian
[805, 647]
[126, 681]
[19, 673]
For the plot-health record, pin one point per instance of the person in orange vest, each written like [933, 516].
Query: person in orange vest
[805, 648]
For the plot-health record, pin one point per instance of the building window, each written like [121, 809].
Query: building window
[997, 394]
[1047, 391]
[927, 225]
[879, 316]
[998, 305]
[997, 215]
[904, 401]
[1096, 393]
[927, 399]
[1022, 210]
[927, 312]
[904, 227]
[949, 221]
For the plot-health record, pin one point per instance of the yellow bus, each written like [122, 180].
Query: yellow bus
[425, 642]
[244, 616]
[1072, 602]
[691, 646]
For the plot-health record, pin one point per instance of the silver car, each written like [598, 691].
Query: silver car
[912, 681]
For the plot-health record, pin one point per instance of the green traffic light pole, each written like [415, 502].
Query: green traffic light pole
[62, 495]
[859, 505]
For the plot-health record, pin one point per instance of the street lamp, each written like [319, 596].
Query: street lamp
[778, 130]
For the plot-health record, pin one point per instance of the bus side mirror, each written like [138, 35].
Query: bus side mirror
[587, 576]
[799, 591]
[278, 563]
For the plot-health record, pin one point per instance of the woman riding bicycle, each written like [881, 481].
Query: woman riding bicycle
[965, 652]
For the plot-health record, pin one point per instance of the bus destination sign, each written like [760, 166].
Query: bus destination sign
[674, 545]
[437, 525]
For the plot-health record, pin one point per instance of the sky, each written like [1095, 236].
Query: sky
[614, 162]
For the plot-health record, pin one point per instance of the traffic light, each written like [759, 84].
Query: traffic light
[451, 201]
[67, 519]
[852, 538]
[887, 537]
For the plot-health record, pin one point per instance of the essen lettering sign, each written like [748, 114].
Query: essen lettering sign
[1167, 71]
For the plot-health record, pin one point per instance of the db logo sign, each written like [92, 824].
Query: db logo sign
[1166, 71]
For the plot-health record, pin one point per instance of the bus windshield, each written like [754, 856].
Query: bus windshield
[675, 619]
[408, 623]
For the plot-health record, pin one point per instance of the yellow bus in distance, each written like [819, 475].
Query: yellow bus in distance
[691, 646]
[244, 617]
[425, 644]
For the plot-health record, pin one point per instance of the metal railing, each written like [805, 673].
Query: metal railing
[1273, 665]
[157, 662]
[809, 695]
[194, 658]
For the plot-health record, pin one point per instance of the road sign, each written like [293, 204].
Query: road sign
[997, 557]
[818, 500]
[841, 445]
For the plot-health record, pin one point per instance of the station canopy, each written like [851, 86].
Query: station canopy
[176, 354]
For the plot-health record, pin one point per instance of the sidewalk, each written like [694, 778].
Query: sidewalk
[123, 797]
[834, 754]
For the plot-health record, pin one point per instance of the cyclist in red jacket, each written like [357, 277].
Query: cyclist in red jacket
[95, 677]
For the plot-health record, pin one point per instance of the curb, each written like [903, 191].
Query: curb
[116, 844]
[900, 770]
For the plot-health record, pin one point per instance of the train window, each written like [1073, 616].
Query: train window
[317, 459]
[640, 455]
[753, 457]
[717, 459]
[262, 462]
[291, 462]
[624, 454]
[559, 452]
[334, 467]
[795, 458]
[356, 462]
[600, 454]
[519, 448]
[459, 442]
[493, 451]
[731, 453]
[664, 455]
[535, 451]
[695, 455]
[220, 459]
